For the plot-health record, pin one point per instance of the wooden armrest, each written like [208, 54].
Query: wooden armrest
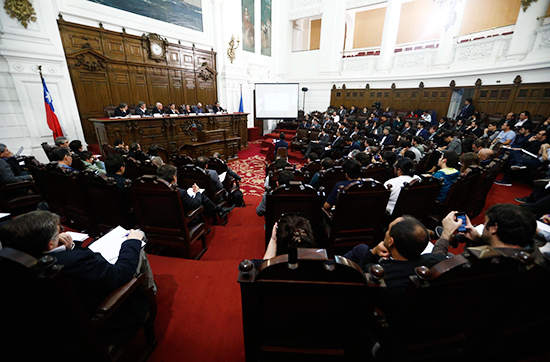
[327, 213]
[18, 185]
[191, 215]
[219, 193]
[116, 298]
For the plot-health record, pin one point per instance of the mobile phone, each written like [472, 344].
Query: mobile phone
[461, 216]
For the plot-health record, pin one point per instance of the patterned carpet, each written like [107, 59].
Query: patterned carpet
[252, 172]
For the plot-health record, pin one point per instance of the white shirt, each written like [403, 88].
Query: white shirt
[396, 186]
[427, 118]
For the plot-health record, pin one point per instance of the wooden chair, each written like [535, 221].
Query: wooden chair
[109, 111]
[77, 163]
[220, 166]
[189, 175]
[330, 177]
[47, 149]
[298, 140]
[46, 185]
[311, 168]
[271, 167]
[306, 311]
[181, 160]
[132, 168]
[77, 209]
[283, 152]
[105, 201]
[31, 288]
[458, 197]
[496, 315]
[298, 176]
[19, 197]
[377, 171]
[160, 215]
[108, 150]
[295, 198]
[486, 179]
[417, 198]
[358, 216]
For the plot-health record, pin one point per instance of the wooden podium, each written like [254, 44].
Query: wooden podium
[188, 135]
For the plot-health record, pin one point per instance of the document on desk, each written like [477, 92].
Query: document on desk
[222, 176]
[77, 236]
[109, 244]
[191, 193]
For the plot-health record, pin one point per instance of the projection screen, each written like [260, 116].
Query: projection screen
[277, 100]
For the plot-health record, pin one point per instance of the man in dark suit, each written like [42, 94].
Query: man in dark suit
[172, 109]
[141, 109]
[115, 167]
[386, 138]
[281, 143]
[322, 141]
[342, 111]
[466, 111]
[10, 171]
[158, 108]
[524, 120]
[217, 108]
[122, 110]
[92, 277]
[336, 149]
[407, 128]
[169, 174]
[421, 131]
[202, 163]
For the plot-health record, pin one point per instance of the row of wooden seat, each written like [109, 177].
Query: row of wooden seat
[478, 306]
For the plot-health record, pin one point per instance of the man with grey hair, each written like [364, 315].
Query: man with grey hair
[198, 108]
[158, 108]
[10, 171]
[141, 109]
[62, 142]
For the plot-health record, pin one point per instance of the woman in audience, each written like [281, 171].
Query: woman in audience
[290, 232]
[467, 160]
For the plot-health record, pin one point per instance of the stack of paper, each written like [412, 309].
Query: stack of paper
[109, 245]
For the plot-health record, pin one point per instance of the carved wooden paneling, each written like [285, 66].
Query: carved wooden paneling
[491, 99]
[124, 72]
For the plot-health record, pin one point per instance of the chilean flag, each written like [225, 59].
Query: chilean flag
[51, 118]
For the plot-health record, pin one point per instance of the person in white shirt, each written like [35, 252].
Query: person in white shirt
[426, 117]
[404, 169]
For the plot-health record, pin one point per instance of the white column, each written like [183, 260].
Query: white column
[389, 35]
[444, 56]
[332, 35]
[350, 31]
[524, 31]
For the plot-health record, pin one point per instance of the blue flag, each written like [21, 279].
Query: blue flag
[241, 107]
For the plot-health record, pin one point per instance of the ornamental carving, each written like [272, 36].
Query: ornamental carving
[408, 61]
[22, 10]
[191, 127]
[474, 52]
[89, 62]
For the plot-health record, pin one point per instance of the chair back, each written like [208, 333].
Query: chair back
[133, 168]
[190, 174]
[282, 151]
[298, 176]
[497, 317]
[417, 198]
[486, 179]
[181, 160]
[108, 150]
[159, 211]
[77, 209]
[47, 149]
[358, 217]
[45, 185]
[105, 200]
[377, 171]
[330, 177]
[77, 163]
[460, 192]
[271, 167]
[306, 295]
[295, 198]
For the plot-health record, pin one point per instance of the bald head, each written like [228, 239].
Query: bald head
[485, 154]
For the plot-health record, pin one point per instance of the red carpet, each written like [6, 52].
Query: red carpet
[199, 307]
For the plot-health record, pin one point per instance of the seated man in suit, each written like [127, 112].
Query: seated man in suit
[158, 108]
[217, 108]
[326, 163]
[524, 120]
[281, 143]
[169, 174]
[122, 110]
[115, 168]
[202, 163]
[352, 170]
[198, 108]
[386, 138]
[421, 131]
[466, 111]
[172, 109]
[92, 277]
[64, 158]
[230, 172]
[10, 170]
[141, 109]
[407, 128]
[317, 145]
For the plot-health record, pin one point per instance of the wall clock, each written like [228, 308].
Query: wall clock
[157, 47]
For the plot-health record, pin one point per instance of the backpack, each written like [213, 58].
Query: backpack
[237, 198]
